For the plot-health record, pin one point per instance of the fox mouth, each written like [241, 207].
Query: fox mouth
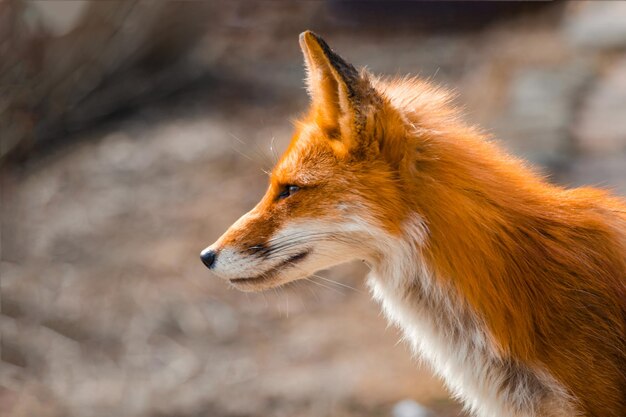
[289, 262]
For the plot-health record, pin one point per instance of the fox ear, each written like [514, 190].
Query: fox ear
[335, 87]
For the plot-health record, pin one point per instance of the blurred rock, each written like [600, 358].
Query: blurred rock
[409, 408]
[596, 24]
[601, 127]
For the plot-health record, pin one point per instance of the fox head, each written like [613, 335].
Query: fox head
[334, 196]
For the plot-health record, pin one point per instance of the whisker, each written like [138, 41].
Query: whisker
[300, 239]
[323, 286]
[273, 150]
[269, 251]
[309, 288]
[263, 156]
[325, 279]
[281, 250]
[287, 299]
[338, 283]
[284, 239]
[245, 155]
[280, 239]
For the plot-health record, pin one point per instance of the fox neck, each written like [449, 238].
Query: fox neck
[473, 200]
[446, 332]
[450, 324]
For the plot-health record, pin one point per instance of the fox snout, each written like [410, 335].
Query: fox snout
[252, 259]
[254, 254]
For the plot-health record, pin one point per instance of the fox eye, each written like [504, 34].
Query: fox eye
[287, 191]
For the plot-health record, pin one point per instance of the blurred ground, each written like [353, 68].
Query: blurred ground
[106, 308]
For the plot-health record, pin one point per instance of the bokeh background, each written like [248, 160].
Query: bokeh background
[133, 133]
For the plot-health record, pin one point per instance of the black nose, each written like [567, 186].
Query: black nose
[208, 257]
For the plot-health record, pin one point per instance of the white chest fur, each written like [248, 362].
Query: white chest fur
[456, 344]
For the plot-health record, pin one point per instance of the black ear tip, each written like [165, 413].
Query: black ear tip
[318, 50]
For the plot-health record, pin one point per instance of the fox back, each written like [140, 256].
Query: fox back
[513, 289]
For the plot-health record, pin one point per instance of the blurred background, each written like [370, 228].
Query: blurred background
[133, 133]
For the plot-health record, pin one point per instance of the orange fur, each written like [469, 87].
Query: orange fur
[543, 267]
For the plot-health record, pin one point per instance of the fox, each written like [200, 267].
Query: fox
[513, 289]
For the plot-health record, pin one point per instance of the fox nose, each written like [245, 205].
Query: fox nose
[208, 257]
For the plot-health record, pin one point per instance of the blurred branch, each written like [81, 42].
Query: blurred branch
[58, 74]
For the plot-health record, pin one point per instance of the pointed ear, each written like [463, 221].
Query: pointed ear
[334, 86]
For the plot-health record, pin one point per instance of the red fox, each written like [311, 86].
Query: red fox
[514, 290]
